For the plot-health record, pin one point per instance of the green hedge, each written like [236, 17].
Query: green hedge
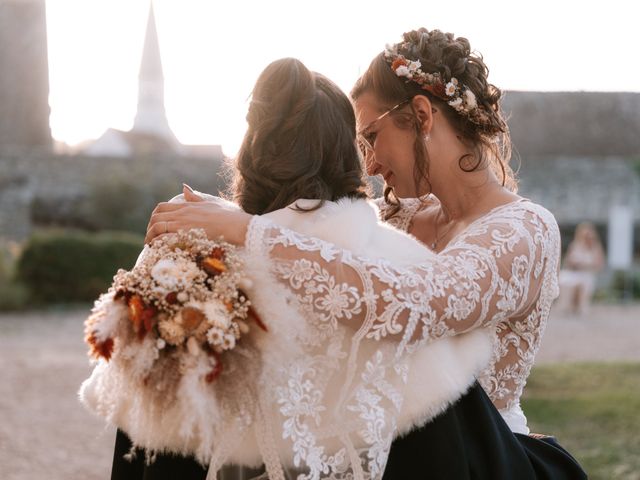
[69, 266]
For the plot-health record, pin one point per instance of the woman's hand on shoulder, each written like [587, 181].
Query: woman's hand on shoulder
[217, 217]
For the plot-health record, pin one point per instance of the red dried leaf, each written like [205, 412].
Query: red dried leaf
[99, 349]
[256, 318]
[216, 371]
[171, 298]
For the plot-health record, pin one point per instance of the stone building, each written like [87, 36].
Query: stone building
[578, 154]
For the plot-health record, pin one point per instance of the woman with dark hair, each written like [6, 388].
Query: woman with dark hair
[390, 305]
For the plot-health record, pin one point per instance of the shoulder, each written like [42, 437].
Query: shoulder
[539, 223]
[518, 222]
[537, 210]
[543, 221]
[522, 211]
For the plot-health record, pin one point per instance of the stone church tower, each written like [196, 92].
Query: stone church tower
[151, 116]
[151, 133]
[24, 76]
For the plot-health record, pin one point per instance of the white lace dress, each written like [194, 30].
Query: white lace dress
[501, 272]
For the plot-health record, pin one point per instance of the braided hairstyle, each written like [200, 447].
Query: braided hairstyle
[300, 142]
[485, 133]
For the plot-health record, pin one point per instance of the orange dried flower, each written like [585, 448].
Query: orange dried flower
[191, 318]
[213, 266]
[141, 316]
[398, 62]
[437, 89]
[148, 320]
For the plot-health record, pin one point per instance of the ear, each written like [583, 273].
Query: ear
[424, 110]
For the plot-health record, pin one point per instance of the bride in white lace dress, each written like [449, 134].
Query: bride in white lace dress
[431, 126]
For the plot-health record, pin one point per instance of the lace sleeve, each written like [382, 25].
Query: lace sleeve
[491, 272]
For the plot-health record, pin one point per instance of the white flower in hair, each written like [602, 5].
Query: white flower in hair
[457, 94]
[457, 103]
[450, 88]
[470, 99]
[403, 71]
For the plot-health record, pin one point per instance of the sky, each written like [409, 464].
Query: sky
[213, 51]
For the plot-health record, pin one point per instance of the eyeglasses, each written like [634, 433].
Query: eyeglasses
[366, 138]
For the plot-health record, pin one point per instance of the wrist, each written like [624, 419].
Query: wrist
[239, 226]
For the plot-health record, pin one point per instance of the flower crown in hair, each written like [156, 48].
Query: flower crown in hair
[457, 95]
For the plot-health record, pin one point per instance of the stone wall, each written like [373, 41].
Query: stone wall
[575, 189]
[574, 123]
[67, 180]
[578, 189]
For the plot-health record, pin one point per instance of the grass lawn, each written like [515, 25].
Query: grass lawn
[594, 411]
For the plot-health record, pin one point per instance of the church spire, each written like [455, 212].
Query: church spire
[151, 116]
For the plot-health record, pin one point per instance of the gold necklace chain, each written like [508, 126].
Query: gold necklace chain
[434, 244]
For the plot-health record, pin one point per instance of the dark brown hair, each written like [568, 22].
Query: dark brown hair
[450, 57]
[300, 142]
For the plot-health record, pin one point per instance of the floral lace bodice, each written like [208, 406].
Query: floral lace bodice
[500, 272]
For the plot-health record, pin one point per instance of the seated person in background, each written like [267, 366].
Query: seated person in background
[583, 260]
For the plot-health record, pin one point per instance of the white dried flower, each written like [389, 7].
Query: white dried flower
[402, 71]
[165, 273]
[470, 99]
[215, 336]
[450, 88]
[457, 103]
[183, 297]
[172, 331]
[217, 314]
[228, 342]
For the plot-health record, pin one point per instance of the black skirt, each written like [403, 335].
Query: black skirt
[470, 440]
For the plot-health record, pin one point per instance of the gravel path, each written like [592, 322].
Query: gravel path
[46, 434]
